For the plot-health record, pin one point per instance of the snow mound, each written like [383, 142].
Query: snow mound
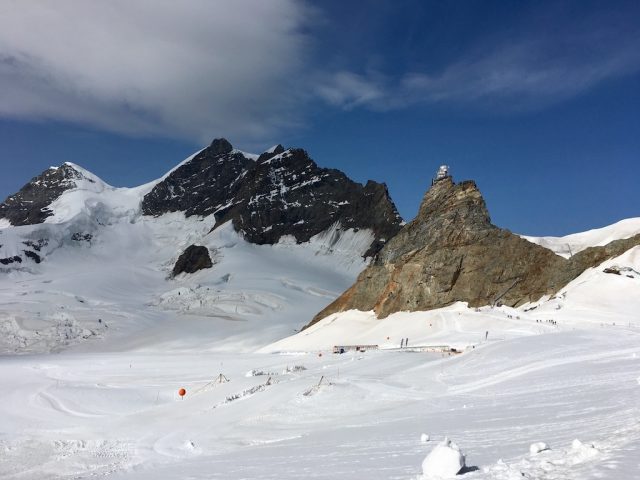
[580, 452]
[444, 461]
[538, 447]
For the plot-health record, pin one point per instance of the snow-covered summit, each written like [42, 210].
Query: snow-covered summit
[60, 194]
[86, 179]
[32, 204]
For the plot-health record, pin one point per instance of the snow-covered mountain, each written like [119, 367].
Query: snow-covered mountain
[279, 193]
[268, 241]
[266, 197]
[282, 237]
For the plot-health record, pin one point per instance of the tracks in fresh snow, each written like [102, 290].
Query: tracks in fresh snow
[510, 374]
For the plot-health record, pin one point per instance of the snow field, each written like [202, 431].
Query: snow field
[253, 295]
[74, 415]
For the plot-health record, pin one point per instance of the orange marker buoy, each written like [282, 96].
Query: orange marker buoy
[182, 392]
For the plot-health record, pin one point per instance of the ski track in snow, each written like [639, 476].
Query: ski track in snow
[82, 415]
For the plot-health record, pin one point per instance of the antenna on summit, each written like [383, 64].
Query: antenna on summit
[441, 174]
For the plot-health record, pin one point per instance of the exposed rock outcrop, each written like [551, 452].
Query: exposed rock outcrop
[33, 256]
[194, 258]
[200, 186]
[31, 204]
[9, 260]
[451, 252]
[282, 192]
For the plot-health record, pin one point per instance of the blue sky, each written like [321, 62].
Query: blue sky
[539, 102]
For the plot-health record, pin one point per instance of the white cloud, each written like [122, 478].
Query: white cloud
[193, 69]
[244, 68]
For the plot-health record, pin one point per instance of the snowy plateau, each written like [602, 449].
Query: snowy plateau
[97, 339]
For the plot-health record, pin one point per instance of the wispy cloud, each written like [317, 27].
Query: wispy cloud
[527, 73]
[349, 90]
[194, 68]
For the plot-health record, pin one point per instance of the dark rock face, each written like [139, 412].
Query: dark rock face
[81, 237]
[282, 193]
[201, 186]
[31, 204]
[288, 194]
[8, 260]
[37, 244]
[451, 252]
[220, 146]
[194, 258]
[33, 256]
[277, 150]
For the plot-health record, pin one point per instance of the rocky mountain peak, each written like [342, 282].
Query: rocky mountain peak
[30, 205]
[201, 186]
[220, 146]
[450, 214]
[272, 152]
[288, 194]
[452, 253]
[460, 203]
[283, 193]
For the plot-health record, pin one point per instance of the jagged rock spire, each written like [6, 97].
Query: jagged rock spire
[451, 252]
